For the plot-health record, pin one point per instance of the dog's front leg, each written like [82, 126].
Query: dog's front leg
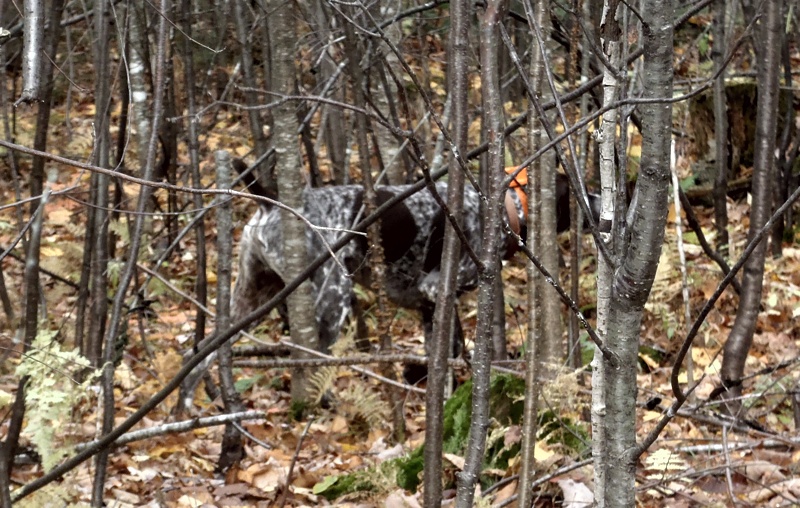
[255, 285]
[334, 301]
[362, 333]
[413, 374]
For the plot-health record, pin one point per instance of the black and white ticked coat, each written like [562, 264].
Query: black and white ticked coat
[412, 232]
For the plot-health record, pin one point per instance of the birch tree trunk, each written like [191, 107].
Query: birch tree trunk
[139, 76]
[300, 303]
[610, 33]
[32, 48]
[38, 86]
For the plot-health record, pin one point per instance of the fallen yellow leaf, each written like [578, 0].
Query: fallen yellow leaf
[540, 453]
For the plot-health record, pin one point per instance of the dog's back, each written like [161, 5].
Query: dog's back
[411, 233]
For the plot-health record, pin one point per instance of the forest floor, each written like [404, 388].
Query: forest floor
[699, 460]
[687, 466]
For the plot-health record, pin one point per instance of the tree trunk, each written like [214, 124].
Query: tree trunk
[768, 47]
[252, 99]
[201, 282]
[377, 260]
[552, 348]
[534, 342]
[439, 347]
[384, 93]
[139, 78]
[633, 279]
[116, 322]
[300, 304]
[232, 447]
[33, 45]
[333, 126]
[720, 128]
[99, 249]
[489, 269]
[611, 34]
[785, 163]
[576, 216]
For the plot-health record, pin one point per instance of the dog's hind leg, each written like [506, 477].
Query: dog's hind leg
[362, 332]
[254, 287]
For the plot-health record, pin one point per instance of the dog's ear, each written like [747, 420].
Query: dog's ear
[239, 165]
[562, 204]
[250, 180]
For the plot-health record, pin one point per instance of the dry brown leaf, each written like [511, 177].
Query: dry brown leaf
[454, 459]
[399, 499]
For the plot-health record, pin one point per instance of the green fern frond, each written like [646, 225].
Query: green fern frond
[51, 393]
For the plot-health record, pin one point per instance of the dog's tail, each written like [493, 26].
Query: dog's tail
[250, 180]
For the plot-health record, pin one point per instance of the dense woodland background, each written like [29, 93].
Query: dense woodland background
[118, 234]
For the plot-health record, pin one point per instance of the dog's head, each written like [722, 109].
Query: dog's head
[519, 186]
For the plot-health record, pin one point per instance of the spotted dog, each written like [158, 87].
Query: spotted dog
[411, 232]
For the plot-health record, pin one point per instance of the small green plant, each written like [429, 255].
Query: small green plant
[506, 402]
[299, 409]
[51, 394]
[373, 480]
[555, 429]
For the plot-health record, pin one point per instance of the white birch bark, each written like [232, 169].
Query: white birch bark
[607, 137]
